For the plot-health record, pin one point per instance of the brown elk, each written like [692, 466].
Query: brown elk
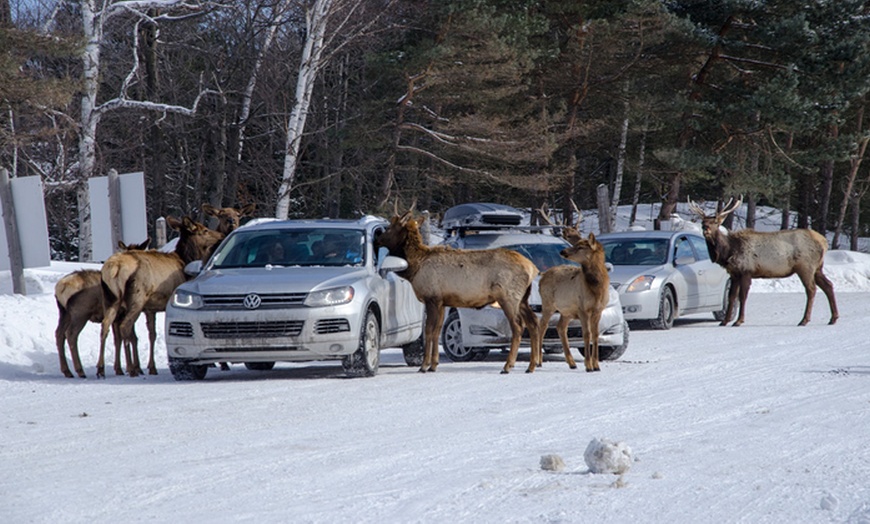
[79, 301]
[229, 218]
[142, 281]
[575, 292]
[748, 254]
[443, 276]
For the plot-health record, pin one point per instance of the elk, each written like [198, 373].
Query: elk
[79, 300]
[229, 218]
[575, 292]
[133, 282]
[443, 276]
[748, 254]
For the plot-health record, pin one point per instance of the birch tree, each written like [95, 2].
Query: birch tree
[329, 24]
[95, 16]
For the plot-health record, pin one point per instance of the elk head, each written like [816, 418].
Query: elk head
[229, 218]
[396, 235]
[195, 242]
[710, 223]
[584, 251]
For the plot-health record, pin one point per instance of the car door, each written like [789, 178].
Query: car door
[401, 312]
[712, 278]
[687, 270]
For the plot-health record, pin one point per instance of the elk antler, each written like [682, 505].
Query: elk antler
[695, 208]
[730, 207]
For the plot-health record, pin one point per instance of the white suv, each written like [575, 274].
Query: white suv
[292, 291]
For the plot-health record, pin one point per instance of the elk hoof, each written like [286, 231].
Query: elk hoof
[504, 372]
[101, 372]
[833, 321]
[68, 374]
[723, 323]
[152, 371]
[572, 366]
[119, 371]
[802, 323]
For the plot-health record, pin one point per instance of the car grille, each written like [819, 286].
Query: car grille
[331, 325]
[252, 349]
[181, 329]
[267, 300]
[286, 328]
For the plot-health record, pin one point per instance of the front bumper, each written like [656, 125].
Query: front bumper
[488, 328]
[295, 334]
[642, 305]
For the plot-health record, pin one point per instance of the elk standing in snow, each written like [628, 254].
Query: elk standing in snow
[142, 281]
[575, 292]
[80, 300]
[443, 276]
[748, 254]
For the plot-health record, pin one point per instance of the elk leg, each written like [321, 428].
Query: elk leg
[431, 339]
[828, 288]
[516, 336]
[72, 336]
[533, 324]
[593, 329]
[809, 283]
[131, 341]
[436, 330]
[109, 315]
[745, 282]
[150, 321]
[116, 335]
[60, 341]
[732, 299]
[562, 328]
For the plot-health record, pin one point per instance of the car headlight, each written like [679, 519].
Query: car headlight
[329, 297]
[641, 283]
[186, 300]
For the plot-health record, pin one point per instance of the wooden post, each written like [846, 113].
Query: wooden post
[604, 225]
[16, 258]
[115, 209]
[160, 232]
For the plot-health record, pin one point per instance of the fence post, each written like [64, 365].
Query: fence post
[160, 232]
[604, 224]
[16, 258]
[115, 209]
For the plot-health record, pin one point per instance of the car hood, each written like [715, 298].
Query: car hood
[277, 279]
[625, 274]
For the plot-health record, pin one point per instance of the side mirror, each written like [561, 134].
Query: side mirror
[684, 260]
[193, 268]
[394, 264]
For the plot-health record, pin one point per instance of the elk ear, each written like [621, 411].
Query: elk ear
[173, 222]
[210, 210]
[403, 220]
[591, 237]
[248, 210]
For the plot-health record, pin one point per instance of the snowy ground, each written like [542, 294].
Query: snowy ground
[767, 422]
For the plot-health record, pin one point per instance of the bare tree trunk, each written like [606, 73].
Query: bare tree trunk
[848, 192]
[635, 198]
[316, 17]
[620, 167]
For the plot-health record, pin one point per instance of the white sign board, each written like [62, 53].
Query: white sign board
[32, 226]
[134, 227]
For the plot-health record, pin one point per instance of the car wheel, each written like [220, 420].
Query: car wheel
[365, 360]
[451, 340]
[720, 315]
[181, 370]
[260, 366]
[667, 310]
[613, 352]
[413, 352]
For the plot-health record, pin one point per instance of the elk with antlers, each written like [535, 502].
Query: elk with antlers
[142, 281]
[80, 300]
[575, 292]
[443, 276]
[748, 254]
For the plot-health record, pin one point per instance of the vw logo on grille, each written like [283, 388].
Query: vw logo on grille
[252, 301]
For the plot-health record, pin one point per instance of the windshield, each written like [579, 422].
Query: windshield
[636, 251]
[544, 256]
[292, 247]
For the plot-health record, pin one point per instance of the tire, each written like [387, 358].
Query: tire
[365, 360]
[413, 352]
[182, 371]
[451, 340]
[667, 311]
[613, 352]
[720, 315]
[260, 366]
